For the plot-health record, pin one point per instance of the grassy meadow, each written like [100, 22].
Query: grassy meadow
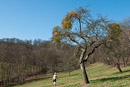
[100, 75]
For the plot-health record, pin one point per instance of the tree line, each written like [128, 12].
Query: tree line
[21, 59]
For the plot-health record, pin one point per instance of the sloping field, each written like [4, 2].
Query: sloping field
[100, 75]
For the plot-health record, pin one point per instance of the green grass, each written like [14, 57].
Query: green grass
[100, 75]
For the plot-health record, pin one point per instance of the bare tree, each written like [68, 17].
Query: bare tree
[86, 33]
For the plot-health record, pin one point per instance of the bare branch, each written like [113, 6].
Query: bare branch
[86, 58]
[75, 42]
[79, 35]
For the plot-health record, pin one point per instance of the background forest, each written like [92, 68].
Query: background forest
[21, 59]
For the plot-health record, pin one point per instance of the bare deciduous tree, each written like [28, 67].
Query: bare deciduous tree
[86, 33]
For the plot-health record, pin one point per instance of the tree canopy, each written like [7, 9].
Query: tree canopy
[86, 32]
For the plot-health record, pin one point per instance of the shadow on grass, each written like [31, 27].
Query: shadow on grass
[121, 72]
[68, 75]
[43, 78]
[110, 79]
[29, 81]
[37, 79]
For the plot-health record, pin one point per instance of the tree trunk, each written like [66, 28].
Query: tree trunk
[125, 60]
[69, 73]
[118, 67]
[85, 77]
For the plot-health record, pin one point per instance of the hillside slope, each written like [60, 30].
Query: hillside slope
[100, 75]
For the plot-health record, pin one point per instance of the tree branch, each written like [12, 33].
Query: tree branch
[80, 36]
[86, 58]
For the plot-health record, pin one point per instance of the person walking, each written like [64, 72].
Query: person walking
[54, 79]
